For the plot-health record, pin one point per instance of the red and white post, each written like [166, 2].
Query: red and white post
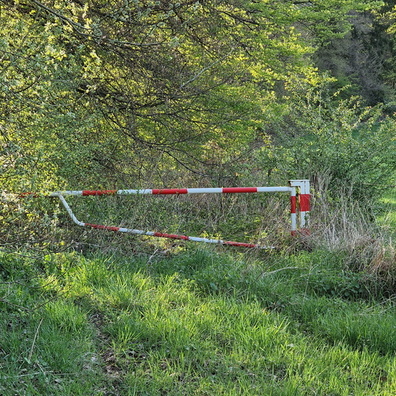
[303, 201]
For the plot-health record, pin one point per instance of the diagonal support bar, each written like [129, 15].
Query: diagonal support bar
[153, 233]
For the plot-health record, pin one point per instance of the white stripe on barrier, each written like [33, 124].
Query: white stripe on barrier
[68, 209]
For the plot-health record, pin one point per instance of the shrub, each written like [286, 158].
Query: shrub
[338, 144]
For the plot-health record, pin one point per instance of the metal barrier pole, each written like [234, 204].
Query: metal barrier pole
[299, 201]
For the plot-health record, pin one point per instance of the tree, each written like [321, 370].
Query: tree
[117, 88]
[364, 58]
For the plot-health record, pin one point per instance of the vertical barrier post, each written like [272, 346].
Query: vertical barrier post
[293, 210]
[304, 203]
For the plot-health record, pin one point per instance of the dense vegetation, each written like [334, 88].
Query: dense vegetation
[121, 93]
[144, 93]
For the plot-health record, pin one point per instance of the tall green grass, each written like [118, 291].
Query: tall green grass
[387, 219]
[201, 322]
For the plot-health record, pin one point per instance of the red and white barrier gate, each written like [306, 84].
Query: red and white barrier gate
[300, 201]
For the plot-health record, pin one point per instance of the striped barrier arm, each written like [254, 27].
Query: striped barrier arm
[177, 191]
[298, 203]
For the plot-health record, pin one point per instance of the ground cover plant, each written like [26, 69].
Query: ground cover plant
[314, 317]
[200, 322]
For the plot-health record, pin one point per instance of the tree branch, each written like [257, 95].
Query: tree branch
[89, 33]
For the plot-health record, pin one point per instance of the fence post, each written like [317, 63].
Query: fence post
[304, 203]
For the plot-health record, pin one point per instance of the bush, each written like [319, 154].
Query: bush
[337, 144]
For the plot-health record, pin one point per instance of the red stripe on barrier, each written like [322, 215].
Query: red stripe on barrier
[102, 227]
[293, 204]
[240, 190]
[98, 192]
[172, 236]
[242, 244]
[170, 191]
[28, 194]
[305, 202]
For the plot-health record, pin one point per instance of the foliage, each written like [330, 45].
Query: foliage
[339, 144]
[363, 58]
[111, 91]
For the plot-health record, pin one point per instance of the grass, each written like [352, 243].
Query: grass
[388, 218]
[201, 322]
